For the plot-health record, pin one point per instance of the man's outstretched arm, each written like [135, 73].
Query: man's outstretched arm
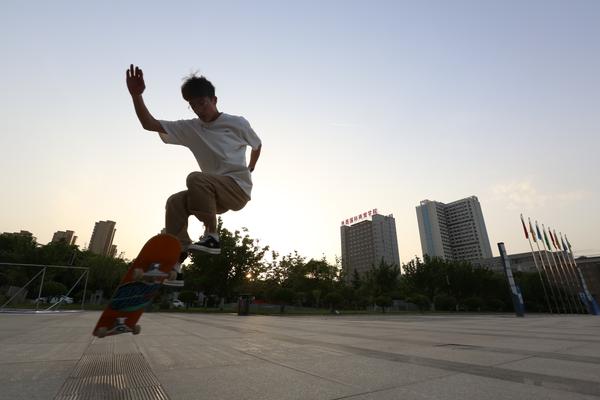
[136, 86]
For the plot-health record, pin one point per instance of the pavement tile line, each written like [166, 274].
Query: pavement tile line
[528, 378]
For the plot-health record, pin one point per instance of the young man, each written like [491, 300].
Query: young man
[218, 142]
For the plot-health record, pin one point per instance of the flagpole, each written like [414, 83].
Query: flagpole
[547, 249]
[536, 265]
[535, 261]
[561, 270]
[572, 277]
[592, 304]
[573, 267]
[540, 239]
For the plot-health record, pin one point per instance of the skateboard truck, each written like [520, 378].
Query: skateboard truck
[120, 327]
[153, 272]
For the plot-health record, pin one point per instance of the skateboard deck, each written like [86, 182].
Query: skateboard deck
[139, 286]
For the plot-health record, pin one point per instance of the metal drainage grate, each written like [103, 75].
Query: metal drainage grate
[112, 376]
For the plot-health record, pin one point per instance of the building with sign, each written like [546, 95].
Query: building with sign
[454, 231]
[366, 240]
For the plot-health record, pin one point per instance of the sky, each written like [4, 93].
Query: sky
[359, 105]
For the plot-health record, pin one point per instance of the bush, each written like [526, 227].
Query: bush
[52, 288]
[496, 305]
[445, 303]
[473, 304]
[188, 297]
[420, 301]
[333, 299]
[383, 302]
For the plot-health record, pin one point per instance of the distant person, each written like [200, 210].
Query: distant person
[218, 142]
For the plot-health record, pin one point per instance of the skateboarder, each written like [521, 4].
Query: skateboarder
[218, 141]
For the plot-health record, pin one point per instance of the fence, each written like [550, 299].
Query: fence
[42, 272]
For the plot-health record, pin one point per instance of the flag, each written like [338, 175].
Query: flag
[563, 243]
[537, 228]
[524, 228]
[532, 231]
[557, 242]
[546, 238]
[551, 237]
[568, 244]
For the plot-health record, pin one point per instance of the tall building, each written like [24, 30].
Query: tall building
[102, 238]
[366, 242]
[68, 236]
[454, 231]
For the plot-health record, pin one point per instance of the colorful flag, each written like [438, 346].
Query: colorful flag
[524, 228]
[546, 237]
[564, 246]
[557, 242]
[532, 231]
[551, 237]
[537, 228]
[568, 244]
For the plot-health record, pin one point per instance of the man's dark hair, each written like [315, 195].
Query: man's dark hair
[197, 86]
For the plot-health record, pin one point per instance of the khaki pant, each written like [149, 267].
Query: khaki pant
[207, 196]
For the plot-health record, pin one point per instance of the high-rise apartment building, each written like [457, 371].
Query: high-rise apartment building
[366, 242]
[454, 231]
[102, 238]
[68, 236]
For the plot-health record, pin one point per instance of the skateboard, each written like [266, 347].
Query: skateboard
[139, 286]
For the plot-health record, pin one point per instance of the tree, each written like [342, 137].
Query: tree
[333, 299]
[283, 297]
[223, 275]
[383, 279]
[421, 301]
[426, 277]
[188, 297]
[52, 289]
[445, 303]
[383, 302]
[473, 303]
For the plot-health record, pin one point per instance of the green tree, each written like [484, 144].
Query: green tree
[52, 289]
[225, 274]
[473, 303]
[383, 279]
[421, 301]
[188, 297]
[383, 302]
[283, 296]
[427, 277]
[445, 303]
[333, 300]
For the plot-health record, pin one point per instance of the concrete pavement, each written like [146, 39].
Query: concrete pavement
[217, 356]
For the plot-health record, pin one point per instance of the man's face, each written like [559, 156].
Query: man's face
[205, 108]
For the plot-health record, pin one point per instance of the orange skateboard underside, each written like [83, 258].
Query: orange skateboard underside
[131, 296]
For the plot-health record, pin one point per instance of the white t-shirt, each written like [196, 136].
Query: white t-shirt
[218, 146]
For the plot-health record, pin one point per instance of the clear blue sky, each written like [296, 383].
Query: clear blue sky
[359, 106]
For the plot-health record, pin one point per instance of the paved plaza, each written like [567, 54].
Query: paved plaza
[219, 356]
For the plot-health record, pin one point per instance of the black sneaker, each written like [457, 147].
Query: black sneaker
[177, 282]
[176, 278]
[207, 244]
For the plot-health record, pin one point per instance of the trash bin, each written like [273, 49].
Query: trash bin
[244, 304]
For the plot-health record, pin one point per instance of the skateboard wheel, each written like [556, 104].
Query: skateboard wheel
[101, 332]
[138, 274]
[137, 329]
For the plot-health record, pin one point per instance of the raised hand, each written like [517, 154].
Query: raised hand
[135, 81]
